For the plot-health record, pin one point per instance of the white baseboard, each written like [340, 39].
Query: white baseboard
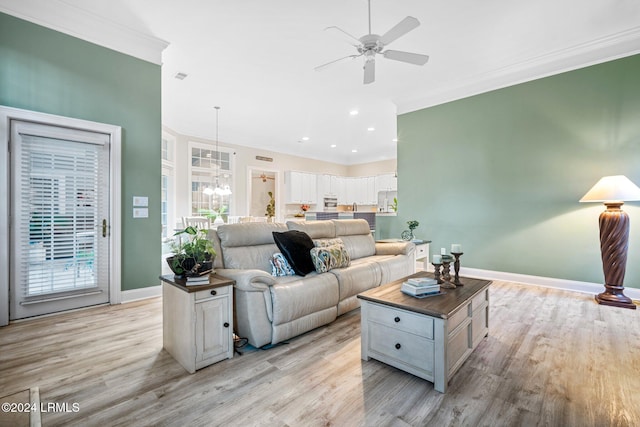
[141, 293]
[548, 282]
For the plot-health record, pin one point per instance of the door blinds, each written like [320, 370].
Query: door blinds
[60, 209]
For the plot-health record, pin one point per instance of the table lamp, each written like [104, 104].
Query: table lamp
[613, 191]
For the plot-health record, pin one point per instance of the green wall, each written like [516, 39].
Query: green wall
[502, 172]
[47, 71]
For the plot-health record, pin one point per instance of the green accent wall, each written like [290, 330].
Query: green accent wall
[502, 172]
[47, 71]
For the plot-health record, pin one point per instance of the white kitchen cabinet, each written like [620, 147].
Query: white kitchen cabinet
[371, 193]
[300, 187]
[340, 185]
[386, 182]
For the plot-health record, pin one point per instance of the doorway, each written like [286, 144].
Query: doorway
[261, 183]
[60, 232]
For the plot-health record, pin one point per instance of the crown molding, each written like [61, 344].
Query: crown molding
[68, 19]
[596, 51]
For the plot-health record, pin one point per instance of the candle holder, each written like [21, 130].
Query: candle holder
[436, 272]
[456, 268]
[446, 272]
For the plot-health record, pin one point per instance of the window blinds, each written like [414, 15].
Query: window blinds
[60, 199]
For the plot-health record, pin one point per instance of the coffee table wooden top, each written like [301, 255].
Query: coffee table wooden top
[442, 306]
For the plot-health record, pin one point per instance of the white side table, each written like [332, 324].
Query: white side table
[422, 254]
[197, 321]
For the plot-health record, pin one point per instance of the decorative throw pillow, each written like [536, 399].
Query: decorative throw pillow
[323, 243]
[280, 266]
[295, 246]
[330, 257]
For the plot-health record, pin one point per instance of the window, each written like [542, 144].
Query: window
[210, 168]
[167, 148]
[167, 197]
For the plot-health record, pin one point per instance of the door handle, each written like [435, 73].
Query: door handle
[104, 228]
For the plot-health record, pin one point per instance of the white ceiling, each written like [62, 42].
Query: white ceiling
[255, 59]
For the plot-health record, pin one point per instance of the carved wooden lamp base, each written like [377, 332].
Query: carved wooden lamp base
[614, 242]
[613, 191]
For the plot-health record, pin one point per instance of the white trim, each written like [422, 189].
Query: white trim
[66, 18]
[7, 114]
[141, 293]
[547, 282]
[603, 49]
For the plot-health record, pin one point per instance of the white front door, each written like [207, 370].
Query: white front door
[59, 232]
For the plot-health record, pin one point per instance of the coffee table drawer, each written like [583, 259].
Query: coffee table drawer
[402, 320]
[403, 347]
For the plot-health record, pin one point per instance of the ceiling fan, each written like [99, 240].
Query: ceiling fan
[264, 177]
[371, 44]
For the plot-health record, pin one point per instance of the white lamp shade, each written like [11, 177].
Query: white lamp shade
[616, 188]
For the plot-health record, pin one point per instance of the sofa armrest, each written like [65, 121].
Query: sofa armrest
[395, 248]
[248, 280]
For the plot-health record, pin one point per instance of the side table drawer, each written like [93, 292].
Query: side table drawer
[401, 320]
[479, 300]
[422, 250]
[402, 347]
[211, 293]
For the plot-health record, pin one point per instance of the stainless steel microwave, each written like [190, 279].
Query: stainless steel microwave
[330, 203]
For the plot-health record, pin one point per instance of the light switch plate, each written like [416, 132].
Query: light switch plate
[140, 201]
[140, 212]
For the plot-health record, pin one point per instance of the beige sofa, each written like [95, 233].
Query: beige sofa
[269, 309]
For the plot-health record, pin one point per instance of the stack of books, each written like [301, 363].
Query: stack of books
[199, 280]
[420, 286]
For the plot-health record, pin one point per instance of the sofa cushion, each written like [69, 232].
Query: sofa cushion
[357, 238]
[295, 246]
[329, 257]
[280, 266]
[295, 297]
[248, 246]
[315, 229]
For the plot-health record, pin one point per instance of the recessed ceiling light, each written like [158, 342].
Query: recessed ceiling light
[394, 140]
[371, 129]
[353, 112]
[333, 145]
[354, 151]
[181, 76]
[305, 138]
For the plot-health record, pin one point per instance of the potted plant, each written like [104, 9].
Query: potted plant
[192, 257]
[271, 208]
[215, 215]
[408, 234]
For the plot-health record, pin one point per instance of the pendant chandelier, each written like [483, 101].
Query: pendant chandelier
[218, 190]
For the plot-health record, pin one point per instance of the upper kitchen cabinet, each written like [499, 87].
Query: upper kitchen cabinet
[300, 187]
[386, 182]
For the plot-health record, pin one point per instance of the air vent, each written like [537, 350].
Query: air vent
[181, 76]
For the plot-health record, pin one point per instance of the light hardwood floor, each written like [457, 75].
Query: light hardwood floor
[552, 358]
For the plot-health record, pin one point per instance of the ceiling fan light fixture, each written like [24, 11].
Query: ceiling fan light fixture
[371, 44]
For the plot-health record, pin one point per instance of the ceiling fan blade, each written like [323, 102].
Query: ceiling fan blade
[323, 66]
[343, 35]
[369, 71]
[401, 28]
[411, 58]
